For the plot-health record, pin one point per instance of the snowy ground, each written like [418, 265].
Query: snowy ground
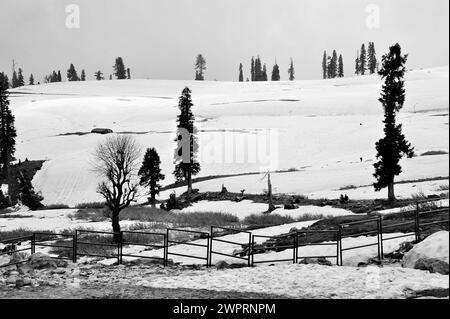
[54, 220]
[321, 128]
[309, 281]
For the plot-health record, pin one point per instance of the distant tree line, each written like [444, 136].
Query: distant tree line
[258, 71]
[18, 79]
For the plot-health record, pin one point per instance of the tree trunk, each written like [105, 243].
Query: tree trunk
[153, 200]
[189, 180]
[116, 226]
[391, 194]
[269, 188]
[8, 177]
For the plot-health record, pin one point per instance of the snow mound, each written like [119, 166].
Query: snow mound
[434, 246]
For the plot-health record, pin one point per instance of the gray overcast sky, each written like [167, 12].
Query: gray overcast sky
[159, 39]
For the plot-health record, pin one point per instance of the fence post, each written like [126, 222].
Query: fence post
[165, 250]
[378, 238]
[295, 247]
[249, 249]
[33, 243]
[417, 222]
[381, 236]
[167, 246]
[208, 250]
[74, 247]
[253, 251]
[337, 248]
[340, 245]
[210, 246]
[119, 246]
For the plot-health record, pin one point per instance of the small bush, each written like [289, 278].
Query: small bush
[205, 219]
[54, 206]
[20, 232]
[96, 205]
[267, 220]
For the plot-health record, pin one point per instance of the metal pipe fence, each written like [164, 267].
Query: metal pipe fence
[294, 240]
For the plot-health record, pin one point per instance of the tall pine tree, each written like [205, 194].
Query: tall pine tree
[99, 75]
[275, 72]
[363, 60]
[241, 74]
[258, 69]
[252, 69]
[264, 73]
[14, 80]
[72, 74]
[31, 81]
[357, 64]
[291, 71]
[200, 67]
[150, 173]
[372, 58]
[20, 78]
[325, 65]
[83, 75]
[340, 67]
[393, 146]
[119, 69]
[186, 164]
[333, 66]
[7, 132]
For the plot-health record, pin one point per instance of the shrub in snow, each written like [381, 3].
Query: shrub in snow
[3, 200]
[434, 247]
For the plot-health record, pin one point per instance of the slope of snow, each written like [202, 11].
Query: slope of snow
[322, 128]
[435, 246]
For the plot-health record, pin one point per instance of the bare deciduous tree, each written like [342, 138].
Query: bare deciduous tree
[116, 160]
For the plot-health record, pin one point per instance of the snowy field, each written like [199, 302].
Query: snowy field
[326, 130]
[309, 281]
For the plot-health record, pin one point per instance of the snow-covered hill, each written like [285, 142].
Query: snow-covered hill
[326, 130]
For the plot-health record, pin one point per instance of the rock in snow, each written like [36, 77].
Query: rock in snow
[431, 254]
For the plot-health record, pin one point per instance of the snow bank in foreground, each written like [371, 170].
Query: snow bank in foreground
[435, 246]
[308, 281]
[246, 207]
